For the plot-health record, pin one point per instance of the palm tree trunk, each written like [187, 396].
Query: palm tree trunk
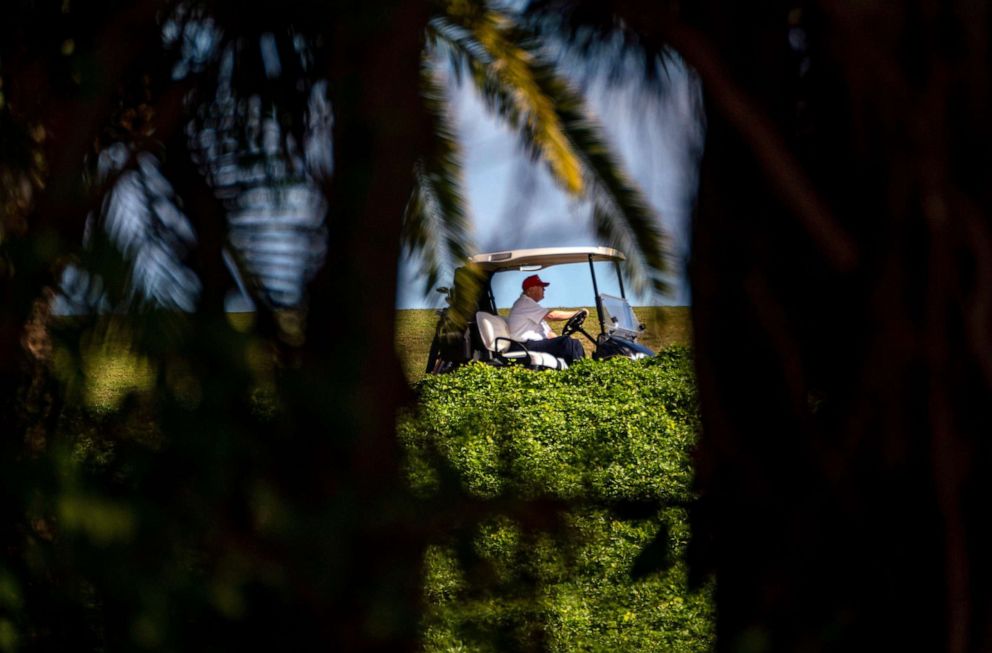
[348, 364]
[845, 443]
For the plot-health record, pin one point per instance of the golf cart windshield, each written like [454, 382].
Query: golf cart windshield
[619, 317]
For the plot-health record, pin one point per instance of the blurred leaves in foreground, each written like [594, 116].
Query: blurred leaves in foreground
[239, 485]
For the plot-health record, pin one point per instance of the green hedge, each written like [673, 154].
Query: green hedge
[600, 453]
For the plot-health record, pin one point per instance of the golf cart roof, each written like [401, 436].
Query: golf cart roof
[543, 257]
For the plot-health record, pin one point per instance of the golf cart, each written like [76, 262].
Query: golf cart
[471, 329]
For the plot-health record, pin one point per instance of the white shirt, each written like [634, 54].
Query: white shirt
[527, 322]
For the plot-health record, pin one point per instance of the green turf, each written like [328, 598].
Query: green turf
[113, 371]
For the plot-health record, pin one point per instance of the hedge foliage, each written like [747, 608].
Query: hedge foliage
[580, 480]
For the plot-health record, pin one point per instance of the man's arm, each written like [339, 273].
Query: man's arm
[564, 315]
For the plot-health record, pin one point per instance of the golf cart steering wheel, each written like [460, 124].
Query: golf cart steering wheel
[574, 323]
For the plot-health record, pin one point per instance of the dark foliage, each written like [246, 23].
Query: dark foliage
[192, 517]
[840, 287]
[840, 305]
[155, 153]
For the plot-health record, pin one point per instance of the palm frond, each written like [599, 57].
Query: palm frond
[524, 89]
[265, 171]
[435, 226]
[136, 245]
[504, 70]
[620, 212]
[614, 41]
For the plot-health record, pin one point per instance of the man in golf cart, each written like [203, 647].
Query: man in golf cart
[528, 323]
[471, 329]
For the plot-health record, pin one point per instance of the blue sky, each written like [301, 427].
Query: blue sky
[513, 203]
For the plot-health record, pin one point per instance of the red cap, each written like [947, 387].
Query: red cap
[534, 280]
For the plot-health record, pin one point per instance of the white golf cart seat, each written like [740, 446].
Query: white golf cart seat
[495, 335]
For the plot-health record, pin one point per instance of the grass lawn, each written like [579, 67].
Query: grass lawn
[666, 326]
[110, 372]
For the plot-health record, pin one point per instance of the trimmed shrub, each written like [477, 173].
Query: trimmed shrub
[578, 482]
